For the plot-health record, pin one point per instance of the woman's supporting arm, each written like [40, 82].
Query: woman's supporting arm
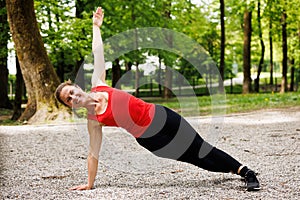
[95, 134]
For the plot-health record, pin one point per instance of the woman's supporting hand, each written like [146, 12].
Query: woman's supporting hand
[81, 187]
[98, 17]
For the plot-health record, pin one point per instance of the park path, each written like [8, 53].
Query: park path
[42, 162]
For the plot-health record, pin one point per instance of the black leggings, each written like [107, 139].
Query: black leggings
[171, 136]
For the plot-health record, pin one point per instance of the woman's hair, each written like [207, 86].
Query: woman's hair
[59, 89]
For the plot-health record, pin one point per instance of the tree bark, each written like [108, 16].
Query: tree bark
[284, 53]
[4, 100]
[38, 73]
[247, 52]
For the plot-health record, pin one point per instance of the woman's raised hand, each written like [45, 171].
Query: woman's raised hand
[98, 17]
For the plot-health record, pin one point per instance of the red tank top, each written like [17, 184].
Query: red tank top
[125, 111]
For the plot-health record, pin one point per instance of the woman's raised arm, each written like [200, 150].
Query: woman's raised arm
[98, 77]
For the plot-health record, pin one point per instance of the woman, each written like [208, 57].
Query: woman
[156, 128]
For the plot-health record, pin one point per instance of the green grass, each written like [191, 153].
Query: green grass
[229, 103]
[5, 117]
[249, 102]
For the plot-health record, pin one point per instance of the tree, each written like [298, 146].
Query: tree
[247, 51]
[67, 36]
[293, 30]
[80, 79]
[4, 35]
[271, 51]
[116, 69]
[261, 61]
[284, 52]
[271, 42]
[169, 38]
[38, 73]
[292, 74]
[222, 54]
[136, 44]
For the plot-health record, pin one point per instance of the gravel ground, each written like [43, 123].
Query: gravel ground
[42, 162]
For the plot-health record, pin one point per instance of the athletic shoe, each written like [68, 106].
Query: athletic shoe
[252, 183]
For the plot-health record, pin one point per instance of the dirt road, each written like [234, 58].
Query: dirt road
[42, 162]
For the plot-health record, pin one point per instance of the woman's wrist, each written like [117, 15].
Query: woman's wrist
[89, 186]
[95, 25]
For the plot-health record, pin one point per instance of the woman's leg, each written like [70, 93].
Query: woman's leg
[171, 136]
[170, 132]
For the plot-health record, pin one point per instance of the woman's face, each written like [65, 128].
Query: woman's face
[73, 96]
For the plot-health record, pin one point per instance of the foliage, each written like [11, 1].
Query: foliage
[66, 29]
[4, 35]
[66, 37]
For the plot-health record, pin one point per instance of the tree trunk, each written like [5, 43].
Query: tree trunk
[222, 55]
[79, 73]
[4, 100]
[38, 73]
[60, 68]
[79, 5]
[261, 61]
[292, 75]
[247, 52]
[284, 53]
[129, 75]
[168, 83]
[167, 93]
[19, 92]
[116, 73]
[80, 80]
[159, 76]
[128, 66]
[137, 80]
[271, 52]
